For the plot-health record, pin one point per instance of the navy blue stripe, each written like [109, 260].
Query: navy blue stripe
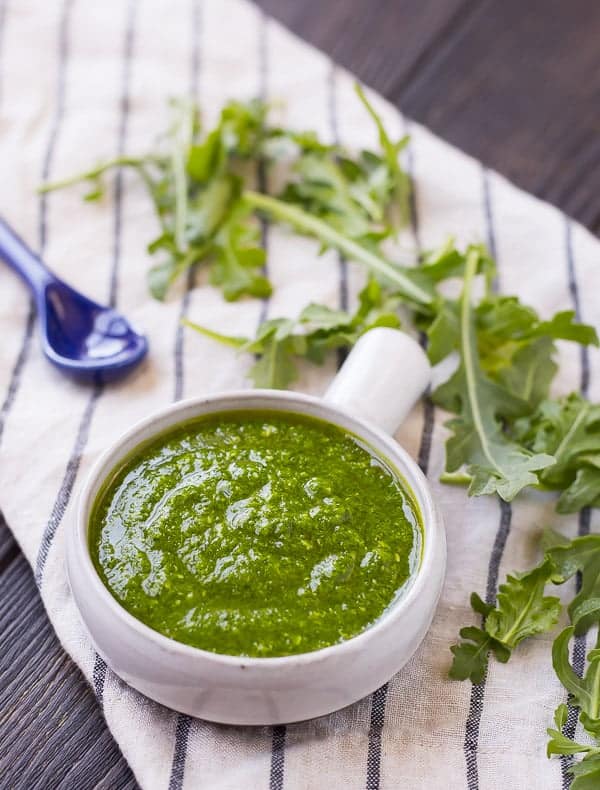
[66, 487]
[378, 702]
[277, 771]
[498, 551]
[476, 702]
[99, 678]
[55, 127]
[263, 91]
[487, 208]
[335, 136]
[584, 383]
[344, 301]
[412, 195]
[15, 376]
[579, 651]
[121, 141]
[63, 56]
[57, 119]
[424, 453]
[64, 494]
[196, 28]
[182, 734]
[473, 723]
[583, 527]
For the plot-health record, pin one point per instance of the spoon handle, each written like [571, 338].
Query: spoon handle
[22, 260]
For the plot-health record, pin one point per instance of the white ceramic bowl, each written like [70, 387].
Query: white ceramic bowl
[239, 690]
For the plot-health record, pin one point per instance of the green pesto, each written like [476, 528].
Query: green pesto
[255, 533]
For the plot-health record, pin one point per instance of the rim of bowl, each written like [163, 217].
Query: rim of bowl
[417, 484]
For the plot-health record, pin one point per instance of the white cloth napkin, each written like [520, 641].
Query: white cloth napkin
[80, 82]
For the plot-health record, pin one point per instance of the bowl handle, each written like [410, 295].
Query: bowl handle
[384, 375]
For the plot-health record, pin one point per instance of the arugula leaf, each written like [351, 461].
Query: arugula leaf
[568, 429]
[581, 555]
[494, 462]
[448, 263]
[584, 691]
[238, 258]
[443, 333]
[515, 346]
[471, 656]
[276, 346]
[318, 329]
[198, 182]
[530, 371]
[562, 327]
[395, 277]
[559, 743]
[521, 611]
[323, 190]
[398, 181]
[587, 772]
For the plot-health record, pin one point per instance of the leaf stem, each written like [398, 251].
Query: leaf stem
[456, 478]
[571, 432]
[508, 636]
[95, 172]
[470, 360]
[306, 223]
[227, 340]
[181, 143]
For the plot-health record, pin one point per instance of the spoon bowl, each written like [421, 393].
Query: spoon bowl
[83, 339]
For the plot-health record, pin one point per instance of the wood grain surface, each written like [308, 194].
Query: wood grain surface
[516, 84]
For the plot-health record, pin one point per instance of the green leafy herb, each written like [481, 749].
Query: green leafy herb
[395, 277]
[317, 330]
[568, 429]
[581, 555]
[393, 178]
[522, 610]
[584, 691]
[494, 463]
[203, 189]
[507, 365]
[587, 772]
[585, 694]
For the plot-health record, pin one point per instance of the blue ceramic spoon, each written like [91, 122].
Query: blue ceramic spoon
[82, 338]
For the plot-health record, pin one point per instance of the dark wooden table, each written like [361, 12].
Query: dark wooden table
[514, 83]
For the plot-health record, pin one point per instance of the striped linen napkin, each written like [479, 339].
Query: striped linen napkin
[92, 82]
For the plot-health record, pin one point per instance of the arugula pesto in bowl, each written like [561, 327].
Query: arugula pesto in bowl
[255, 533]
